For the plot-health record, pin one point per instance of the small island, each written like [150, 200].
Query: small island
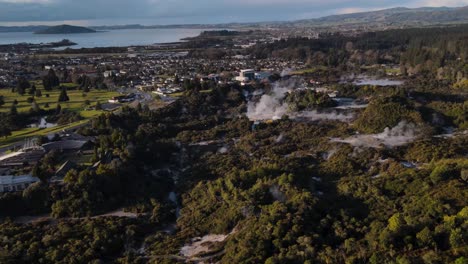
[65, 29]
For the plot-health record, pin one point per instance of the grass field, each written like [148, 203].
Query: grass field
[180, 94]
[309, 71]
[36, 132]
[76, 104]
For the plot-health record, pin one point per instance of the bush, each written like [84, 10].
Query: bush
[440, 172]
[386, 112]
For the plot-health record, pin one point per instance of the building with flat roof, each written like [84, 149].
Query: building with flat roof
[16, 183]
[23, 157]
[246, 76]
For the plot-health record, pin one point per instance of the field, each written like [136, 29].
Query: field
[309, 70]
[76, 104]
[17, 136]
[180, 94]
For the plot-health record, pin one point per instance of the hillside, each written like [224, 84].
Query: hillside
[394, 16]
[65, 29]
[6, 29]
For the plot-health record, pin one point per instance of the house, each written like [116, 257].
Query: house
[65, 168]
[65, 145]
[22, 157]
[16, 183]
[246, 75]
[123, 98]
[109, 74]
[262, 75]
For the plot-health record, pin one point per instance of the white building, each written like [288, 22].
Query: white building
[16, 183]
[246, 76]
[109, 74]
[262, 75]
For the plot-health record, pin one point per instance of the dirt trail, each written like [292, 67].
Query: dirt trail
[48, 217]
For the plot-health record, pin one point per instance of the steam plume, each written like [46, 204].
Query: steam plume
[400, 135]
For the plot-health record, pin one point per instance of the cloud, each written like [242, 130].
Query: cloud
[27, 1]
[437, 3]
[351, 10]
[200, 11]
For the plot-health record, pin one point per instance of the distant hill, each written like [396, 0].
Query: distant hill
[395, 16]
[65, 29]
[5, 29]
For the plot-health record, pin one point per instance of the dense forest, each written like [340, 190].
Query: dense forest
[270, 191]
[440, 52]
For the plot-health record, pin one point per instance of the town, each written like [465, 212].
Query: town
[333, 140]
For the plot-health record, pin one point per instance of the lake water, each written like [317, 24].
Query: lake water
[112, 38]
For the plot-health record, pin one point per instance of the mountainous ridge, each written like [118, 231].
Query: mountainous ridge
[395, 16]
[398, 16]
[65, 29]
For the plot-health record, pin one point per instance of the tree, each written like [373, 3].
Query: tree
[5, 131]
[22, 85]
[424, 237]
[457, 238]
[13, 110]
[36, 197]
[65, 76]
[39, 173]
[38, 93]
[35, 107]
[58, 109]
[464, 175]
[98, 106]
[139, 107]
[50, 80]
[396, 222]
[439, 173]
[2, 100]
[32, 90]
[63, 97]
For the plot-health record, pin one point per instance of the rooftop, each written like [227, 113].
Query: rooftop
[10, 180]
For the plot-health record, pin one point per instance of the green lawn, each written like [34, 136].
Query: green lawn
[76, 104]
[180, 94]
[393, 71]
[308, 71]
[35, 132]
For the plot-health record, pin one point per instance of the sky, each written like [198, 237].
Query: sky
[163, 12]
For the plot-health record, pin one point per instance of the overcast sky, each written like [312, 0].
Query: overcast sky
[112, 12]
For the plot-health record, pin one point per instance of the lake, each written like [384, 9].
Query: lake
[112, 38]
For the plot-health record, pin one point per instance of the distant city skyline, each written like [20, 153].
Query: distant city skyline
[164, 12]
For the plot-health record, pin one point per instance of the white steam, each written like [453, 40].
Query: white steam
[286, 72]
[329, 115]
[280, 138]
[362, 80]
[223, 150]
[400, 135]
[272, 106]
